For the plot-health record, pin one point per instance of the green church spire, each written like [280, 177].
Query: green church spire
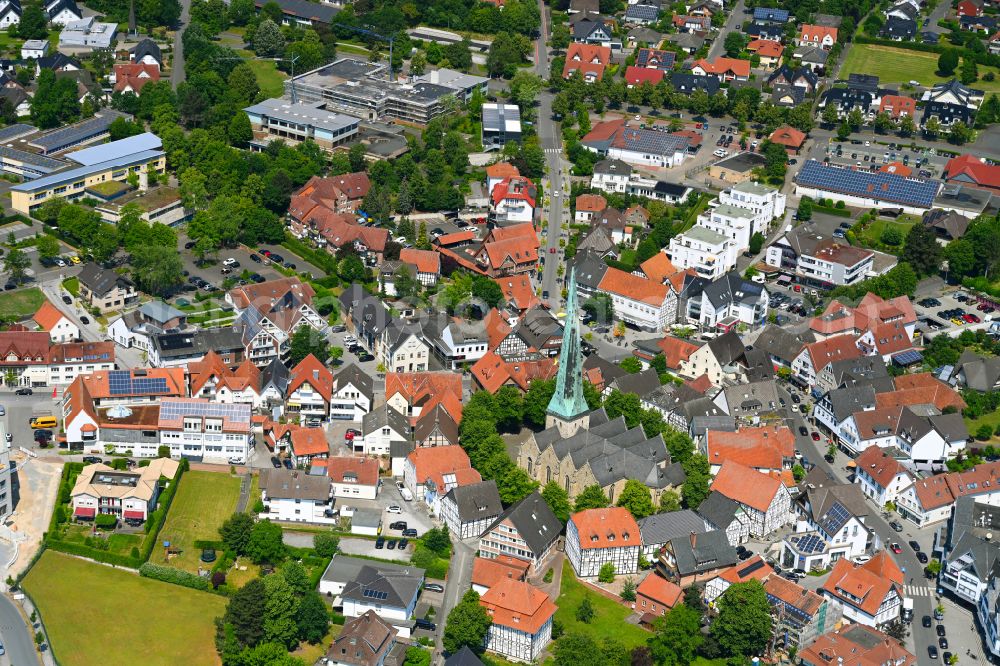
[568, 402]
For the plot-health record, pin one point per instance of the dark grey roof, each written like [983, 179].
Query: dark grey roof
[981, 373]
[899, 27]
[144, 48]
[752, 399]
[670, 397]
[782, 344]
[537, 327]
[726, 348]
[967, 541]
[277, 374]
[853, 371]
[793, 75]
[356, 377]
[688, 40]
[915, 422]
[535, 522]
[57, 60]
[303, 9]
[702, 424]
[718, 510]
[476, 501]
[598, 240]
[782, 90]
[948, 223]
[590, 269]
[962, 92]
[710, 551]
[608, 369]
[170, 345]
[765, 30]
[816, 55]
[742, 162]
[375, 585]
[833, 505]
[101, 280]
[613, 167]
[382, 417]
[639, 383]
[400, 449]
[688, 83]
[436, 418]
[662, 527]
[464, 657]
[845, 401]
[584, 28]
[759, 365]
[344, 568]
[947, 113]
[643, 11]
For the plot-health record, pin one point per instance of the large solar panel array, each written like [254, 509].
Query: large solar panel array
[837, 516]
[870, 185]
[811, 544]
[645, 12]
[770, 14]
[121, 382]
[172, 410]
[663, 59]
[65, 137]
[16, 130]
[653, 142]
[374, 594]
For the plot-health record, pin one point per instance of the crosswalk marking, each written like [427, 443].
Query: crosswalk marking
[553, 151]
[918, 591]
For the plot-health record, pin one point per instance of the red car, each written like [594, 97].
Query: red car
[815, 436]
[552, 250]
[896, 548]
[975, 318]
[970, 318]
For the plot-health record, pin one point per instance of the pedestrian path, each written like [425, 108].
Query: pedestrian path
[918, 591]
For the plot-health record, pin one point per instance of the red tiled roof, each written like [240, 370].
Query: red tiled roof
[587, 59]
[591, 203]
[492, 372]
[766, 48]
[920, 389]
[816, 33]
[76, 352]
[311, 371]
[943, 489]
[502, 170]
[514, 187]
[849, 647]
[746, 486]
[659, 589]
[309, 442]
[676, 350]
[519, 250]
[973, 168]
[363, 470]
[631, 286]
[518, 605]
[762, 448]
[700, 384]
[21, 347]
[489, 572]
[793, 594]
[613, 527]
[870, 582]
[517, 289]
[827, 351]
[895, 105]
[426, 261]
[658, 267]
[455, 238]
[426, 390]
[754, 568]
[603, 131]
[721, 66]
[788, 137]
[135, 76]
[434, 462]
[635, 76]
[879, 466]
[48, 316]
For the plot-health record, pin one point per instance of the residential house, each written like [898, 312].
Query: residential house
[589, 206]
[137, 327]
[352, 477]
[656, 530]
[352, 394]
[871, 593]
[898, 29]
[816, 356]
[469, 510]
[713, 358]
[212, 379]
[931, 500]
[527, 530]
[413, 393]
[309, 390]
[430, 473]
[655, 595]
[132, 77]
[881, 474]
[970, 170]
[694, 558]
[727, 516]
[402, 347]
[798, 77]
[727, 69]
[856, 642]
[486, 573]
[104, 289]
[754, 568]
[953, 92]
[642, 12]
[427, 264]
[590, 60]
[596, 537]
[59, 327]
[296, 497]
[146, 52]
[686, 83]
[764, 499]
[789, 137]
[592, 32]
[723, 304]
[799, 615]
[269, 313]
[817, 35]
[391, 593]
[768, 51]
[366, 640]
[379, 429]
[831, 524]
[129, 496]
[766, 449]
[970, 553]
[639, 301]
[520, 620]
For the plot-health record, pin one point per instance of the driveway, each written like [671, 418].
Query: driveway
[367, 548]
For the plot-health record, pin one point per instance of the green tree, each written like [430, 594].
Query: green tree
[970, 72]
[235, 532]
[459, 55]
[417, 656]
[313, 618]
[592, 497]
[743, 625]
[156, 269]
[280, 611]
[467, 624]
[906, 126]
[776, 160]
[635, 497]
[757, 242]
[922, 251]
[16, 263]
[47, 246]
[947, 62]
[883, 123]
[34, 24]
[536, 401]
[984, 432]
[805, 209]
[245, 613]
[696, 485]
[305, 341]
[600, 307]
[677, 636]
[297, 577]
[628, 589]
[631, 365]
[734, 43]
[585, 611]
[239, 131]
[524, 87]
[268, 40]
[891, 236]
[265, 543]
[932, 127]
[326, 544]
[557, 499]
[606, 574]
[830, 116]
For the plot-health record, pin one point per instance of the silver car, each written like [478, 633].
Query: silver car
[3, 411]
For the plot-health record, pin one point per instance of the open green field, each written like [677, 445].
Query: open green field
[80, 601]
[203, 502]
[992, 420]
[871, 236]
[269, 78]
[609, 617]
[21, 303]
[902, 65]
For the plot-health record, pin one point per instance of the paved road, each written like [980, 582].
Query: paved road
[734, 22]
[459, 581]
[177, 66]
[17, 638]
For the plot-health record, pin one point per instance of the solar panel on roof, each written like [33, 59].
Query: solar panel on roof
[907, 357]
[374, 594]
[870, 185]
[121, 382]
[171, 410]
[750, 568]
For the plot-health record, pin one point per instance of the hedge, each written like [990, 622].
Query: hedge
[319, 258]
[175, 576]
[105, 520]
[206, 543]
[92, 553]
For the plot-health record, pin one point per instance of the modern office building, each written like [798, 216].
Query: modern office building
[501, 123]
[275, 119]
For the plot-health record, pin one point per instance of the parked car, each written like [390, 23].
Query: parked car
[23, 391]
[803, 430]
[379, 543]
[398, 525]
[896, 526]
[896, 548]
[434, 587]
[394, 508]
[276, 462]
[925, 621]
[255, 259]
[932, 652]
[403, 543]
[67, 300]
[92, 460]
[815, 436]
[922, 557]
[288, 463]
[391, 545]
[914, 545]
[940, 630]
[425, 624]
[943, 642]
[411, 533]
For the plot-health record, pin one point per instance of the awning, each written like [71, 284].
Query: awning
[85, 512]
[137, 515]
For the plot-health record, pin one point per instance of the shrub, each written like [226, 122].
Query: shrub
[105, 521]
[607, 573]
[174, 576]
[326, 544]
[218, 578]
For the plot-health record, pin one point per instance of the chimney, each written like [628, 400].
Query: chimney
[694, 539]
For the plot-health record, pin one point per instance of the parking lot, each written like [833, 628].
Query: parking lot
[943, 312]
[926, 163]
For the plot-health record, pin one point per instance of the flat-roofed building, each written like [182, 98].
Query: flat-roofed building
[275, 119]
[501, 124]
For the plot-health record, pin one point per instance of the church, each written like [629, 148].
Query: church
[581, 448]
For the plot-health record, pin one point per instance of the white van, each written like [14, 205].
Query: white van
[406, 494]
[758, 278]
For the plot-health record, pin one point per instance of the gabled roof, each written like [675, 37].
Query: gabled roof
[702, 552]
[48, 316]
[364, 641]
[788, 136]
[972, 169]
[722, 66]
[613, 527]
[832, 349]
[660, 590]
[476, 501]
[764, 447]
[871, 582]
[534, 521]
[444, 466]
[427, 389]
[662, 527]
[880, 466]
[311, 371]
[518, 605]
[426, 261]
[857, 645]
[746, 486]
[633, 287]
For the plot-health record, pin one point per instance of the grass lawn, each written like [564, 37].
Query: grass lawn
[21, 303]
[310, 654]
[72, 285]
[121, 544]
[902, 65]
[609, 617]
[992, 420]
[174, 625]
[202, 504]
[270, 80]
[872, 235]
